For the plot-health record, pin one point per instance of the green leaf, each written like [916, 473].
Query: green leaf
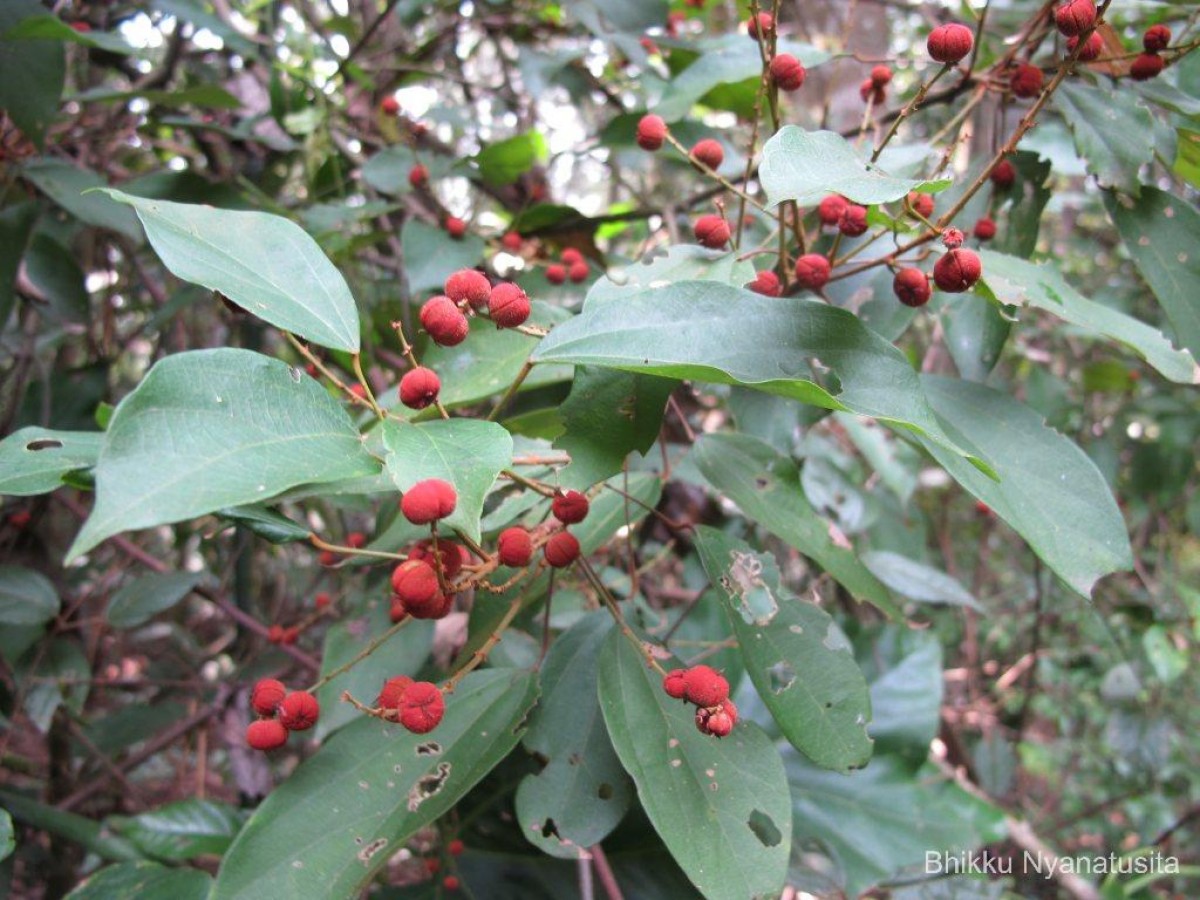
[40, 673]
[917, 581]
[181, 831]
[1159, 231]
[8, 842]
[680, 262]
[208, 96]
[31, 73]
[267, 523]
[766, 487]
[143, 598]
[629, 16]
[504, 162]
[49, 27]
[906, 699]
[86, 832]
[582, 793]
[34, 460]
[720, 805]
[214, 428]
[66, 185]
[975, 336]
[468, 453]
[332, 825]
[885, 818]
[1049, 491]
[1017, 282]
[799, 660]
[733, 336]
[26, 597]
[266, 264]
[431, 255]
[387, 171]
[145, 881]
[806, 165]
[608, 415]
[16, 225]
[893, 460]
[1111, 129]
[53, 270]
[1187, 158]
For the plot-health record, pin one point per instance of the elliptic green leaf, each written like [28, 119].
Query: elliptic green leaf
[88, 833]
[266, 264]
[26, 597]
[146, 881]
[1111, 131]
[733, 336]
[1159, 231]
[582, 793]
[8, 842]
[806, 165]
[182, 830]
[214, 428]
[766, 487]
[32, 72]
[1017, 281]
[1049, 491]
[53, 28]
[797, 657]
[145, 597]
[65, 185]
[34, 460]
[431, 255]
[468, 453]
[327, 830]
[719, 804]
[506, 161]
[917, 581]
[680, 262]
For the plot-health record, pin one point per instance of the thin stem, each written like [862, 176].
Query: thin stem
[362, 654]
[512, 390]
[356, 361]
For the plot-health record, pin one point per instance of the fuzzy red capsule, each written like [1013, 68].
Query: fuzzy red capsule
[911, 287]
[508, 305]
[957, 270]
[266, 696]
[570, 256]
[950, 43]
[787, 72]
[418, 176]
[881, 76]
[429, 500]
[515, 547]
[830, 209]
[451, 557]
[853, 221]
[705, 686]
[1075, 17]
[455, 227]
[812, 271]
[266, 734]
[391, 692]
[1156, 39]
[419, 387]
[421, 707]
[712, 231]
[414, 581]
[1091, 49]
[389, 105]
[766, 283]
[651, 132]
[985, 229]
[708, 152]
[511, 241]
[1146, 66]
[1026, 81]
[469, 286]
[444, 321]
[556, 274]
[579, 272]
[760, 26]
[674, 684]
[922, 204]
[1004, 175]
[299, 711]
[570, 507]
[561, 550]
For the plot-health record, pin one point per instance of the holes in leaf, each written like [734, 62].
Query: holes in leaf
[429, 748]
[782, 675]
[605, 791]
[764, 829]
[549, 829]
[43, 444]
[428, 785]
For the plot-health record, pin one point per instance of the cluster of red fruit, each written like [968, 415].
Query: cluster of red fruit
[571, 265]
[515, 545]
[707, 688]
[417, 705]
[468, 292]
[280, 712]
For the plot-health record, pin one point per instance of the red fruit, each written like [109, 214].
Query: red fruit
[391, 692]
[1091, 50]
[456, 227]
[414, 581]
[758, 27]
[830, 210]
[275, 634]
[674, 685]
[1026, 81]
[870, 92]
[881, 76]
[705, 686]
[389, 105]
[812, 271]
[266, 734]
[561, 550]
[515, 547]
[444, 321]
[508, 305]
[450, 883]
[267, 695]
[787, 72]
[511, 241]
[20, 519]
[299, 711]
[436, 607]
[290, 635]
[358, 391]
[455, 847]
[356, 539]
[712, 231]
[1075, 17]
[556, 274]
[766, 283]
[911, 286]
[985, 229]
[982, 508]
[569, 508]
[433, 866]
[953, 237]
[949, 43]
[716, 722]
[578, 272]
[450, 556]
[708, 152]
[470, 286]
[957, 270]
[853, 221]
[322, 600]
[327, 557]
[1004, 174]
[1146, 66]
[81, 27]
[419, 387]
[922, 204]
[418, 176]
[730, 710]
[570, 256]
[1156, 39]
[651, 132]
[421, 707]
[429, 500]
[397, 611]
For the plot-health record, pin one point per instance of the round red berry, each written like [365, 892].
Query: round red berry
[418, 176]
[881, 76]
[578, 272]
[569, 507]
[708, 152]
[1075, 17]
[1156, 39]
[456, 227]
[389, 105]
[705, 686]
[674, 685]
[299, 711]
[508, 305]
[1026, 81]
[787, 72]
[419, 387]
[830, 209]
[450, 883]
[1146, 66]
[561, 550]
[322, 600]
[267, 695]
[511, 241]
[953, 237]
[758, 27]
[853, 221]
[766, 283]
[949, 43]
[922, 204]
[469, 286]
[421, 707]
[651, 132]
[429, 500]
[556, 274]
[1091, 48]
[414, 581]
[570, 256]
[444, 321]
[985, 229]
[275, 634]
[450, 557]
[712, 231]
[812, 271]
[911, 286]
[871, 92]
[456, 847]
[266, 734]
[1004, 175]
[515, 547]
[957, 270]
[391, 692]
